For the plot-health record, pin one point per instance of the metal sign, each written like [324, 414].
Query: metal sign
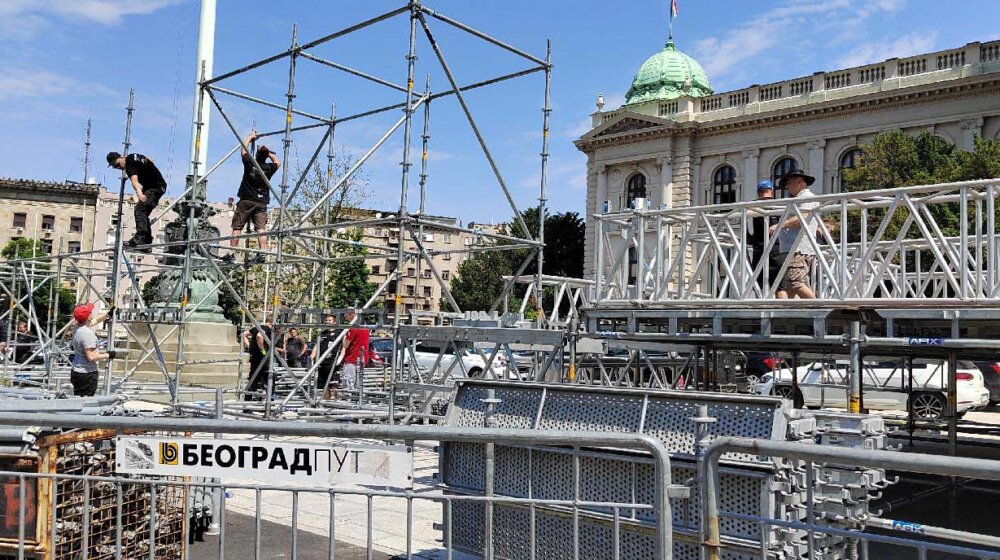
[265, 461]
[914, 341]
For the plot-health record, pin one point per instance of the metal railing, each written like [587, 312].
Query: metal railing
[936, 243]
[22, 540]
[810, 458]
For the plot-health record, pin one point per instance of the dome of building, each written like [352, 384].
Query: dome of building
[668, 74]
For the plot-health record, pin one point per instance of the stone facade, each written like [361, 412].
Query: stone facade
[679, 147]
[60, 215]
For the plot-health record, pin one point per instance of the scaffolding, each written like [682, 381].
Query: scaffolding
[304, 239]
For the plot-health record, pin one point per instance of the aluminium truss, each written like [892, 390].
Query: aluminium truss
[879, 249]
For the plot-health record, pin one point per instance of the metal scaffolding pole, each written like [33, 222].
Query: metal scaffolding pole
[546, 113]
[118, 241]
[411, 59]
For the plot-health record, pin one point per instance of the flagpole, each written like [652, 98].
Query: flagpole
[670, 27]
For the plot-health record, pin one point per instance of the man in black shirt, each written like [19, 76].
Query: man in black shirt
[254, 196]
[257, 342]
[758, 239]
[322, 351]
[149, 187]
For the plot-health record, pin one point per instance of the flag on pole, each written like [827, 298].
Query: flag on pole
[673, 9]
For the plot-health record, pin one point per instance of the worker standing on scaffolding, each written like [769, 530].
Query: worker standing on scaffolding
[149, 187]
[83, 374]
[254, 197]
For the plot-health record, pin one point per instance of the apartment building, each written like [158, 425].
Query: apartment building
[419, 290]
[60, 215]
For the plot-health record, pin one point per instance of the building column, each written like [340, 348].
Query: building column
[602, 187]
[666, 164]
[751, 159]
[970, 129]
[817, 151]
[697, 197]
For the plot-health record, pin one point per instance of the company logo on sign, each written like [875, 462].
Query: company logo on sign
[347, 463]
[169, 453]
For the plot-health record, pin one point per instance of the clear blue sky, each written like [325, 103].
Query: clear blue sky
[67, 60]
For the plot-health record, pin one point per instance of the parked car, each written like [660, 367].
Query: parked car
[991, 377]
[760, 364]
[382, 348]
[886, 386]
[470, 363]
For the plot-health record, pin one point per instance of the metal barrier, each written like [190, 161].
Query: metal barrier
[470, 518]
[823, 527]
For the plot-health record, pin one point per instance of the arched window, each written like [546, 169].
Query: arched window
[635, 188]
[782, 167]
[724, 185]
[847, 161]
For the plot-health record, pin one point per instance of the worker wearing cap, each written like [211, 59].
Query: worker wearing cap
[149, 187]
[254, 195]
[758, 239]
[83, 374]
[799, 253]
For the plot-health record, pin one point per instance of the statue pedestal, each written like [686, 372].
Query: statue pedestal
[206, 342]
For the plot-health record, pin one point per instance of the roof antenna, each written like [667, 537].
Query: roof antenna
[86, 155]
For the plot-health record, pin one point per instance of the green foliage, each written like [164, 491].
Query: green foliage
[150, 290]
[896, 159]
[23, 248]
[478, 282]
[65, 298]
[347, 282]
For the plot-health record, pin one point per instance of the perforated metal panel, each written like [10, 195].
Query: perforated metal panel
[517, 408]
[591, 411]
[669, 420]
[665, 415]
[553, 535]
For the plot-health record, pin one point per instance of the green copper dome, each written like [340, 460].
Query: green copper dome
[668, 74]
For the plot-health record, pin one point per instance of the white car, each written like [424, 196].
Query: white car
[470, 363]
[886, 386]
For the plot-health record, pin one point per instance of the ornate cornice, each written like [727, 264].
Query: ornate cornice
[796, 115]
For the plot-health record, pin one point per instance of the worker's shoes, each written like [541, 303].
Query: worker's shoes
[257, 259]
[229, 258]
[136, 246]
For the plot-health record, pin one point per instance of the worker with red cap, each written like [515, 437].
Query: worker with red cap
[83, 374]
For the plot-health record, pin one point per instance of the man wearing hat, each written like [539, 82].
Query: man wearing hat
[799, 253]
[83, 374]
[149, 187]
[758, 241]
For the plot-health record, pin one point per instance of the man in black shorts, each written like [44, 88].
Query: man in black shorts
[326, 375]
[149, 187]
[254, 196]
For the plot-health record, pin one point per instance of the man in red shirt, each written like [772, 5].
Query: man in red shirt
[353, 354]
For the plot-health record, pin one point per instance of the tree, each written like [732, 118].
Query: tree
[478, 282]
[347, 282]
[23, 248]
[895, 159]
[41, 297]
